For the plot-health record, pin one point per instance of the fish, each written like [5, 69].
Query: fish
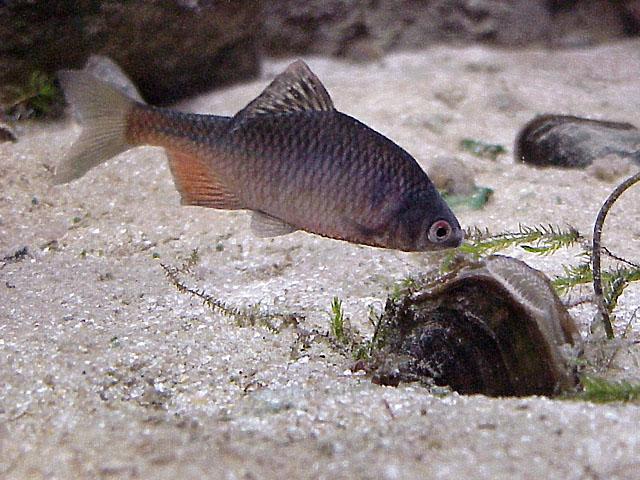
[289, 157]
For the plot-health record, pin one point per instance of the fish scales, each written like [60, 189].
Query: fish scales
[289, 157]
[300, 175]
[162, 127]
[336, 177]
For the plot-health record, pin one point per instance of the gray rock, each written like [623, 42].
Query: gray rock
[574, 142]
[169, 49]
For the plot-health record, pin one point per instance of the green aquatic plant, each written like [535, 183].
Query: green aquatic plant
[38, 97]
[573, 276]
[342, 333]
[363, 349]
[541, 240]
[377, 339]
[475, 201]
[600, 390]
[402, 287]
[337, 324]
[244, 316]
[614, 282]
[482, 149]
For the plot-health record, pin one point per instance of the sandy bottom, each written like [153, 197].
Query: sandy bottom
[107, 371]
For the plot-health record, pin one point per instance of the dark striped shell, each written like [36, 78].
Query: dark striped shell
[494, 327]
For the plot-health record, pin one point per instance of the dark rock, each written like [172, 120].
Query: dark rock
[169, 49]
[356, 28]
[574, 142]
[7, 134]
[631, 17]
[586, 22]
[494, 327]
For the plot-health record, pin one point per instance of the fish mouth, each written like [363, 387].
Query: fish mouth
[457, 238]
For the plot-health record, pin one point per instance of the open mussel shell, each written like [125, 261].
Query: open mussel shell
[494, 327]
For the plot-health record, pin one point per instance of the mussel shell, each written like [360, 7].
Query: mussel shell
[495, 327]
[574, 142]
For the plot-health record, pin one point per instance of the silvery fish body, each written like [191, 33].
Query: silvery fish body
[289, 157]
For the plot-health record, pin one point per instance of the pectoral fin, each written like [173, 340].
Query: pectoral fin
[263, 225]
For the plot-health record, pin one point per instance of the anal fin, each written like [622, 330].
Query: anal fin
[197, 184]
[263, 225]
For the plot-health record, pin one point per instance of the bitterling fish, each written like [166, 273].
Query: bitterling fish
[289, 157]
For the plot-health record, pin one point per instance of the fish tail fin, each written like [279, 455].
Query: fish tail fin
[103, 110]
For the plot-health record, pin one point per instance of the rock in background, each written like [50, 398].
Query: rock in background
[364, 29]
[177, 48]
[170, 49]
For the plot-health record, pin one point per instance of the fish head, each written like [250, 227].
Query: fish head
[426, 224]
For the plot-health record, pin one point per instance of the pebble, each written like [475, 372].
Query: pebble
[451, 176]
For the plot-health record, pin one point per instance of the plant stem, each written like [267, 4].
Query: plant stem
[595, 254]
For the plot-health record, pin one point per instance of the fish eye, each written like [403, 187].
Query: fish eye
[439, 231]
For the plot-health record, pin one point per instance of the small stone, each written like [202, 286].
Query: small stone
[451, 176]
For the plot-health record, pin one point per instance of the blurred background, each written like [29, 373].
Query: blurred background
[177, 48]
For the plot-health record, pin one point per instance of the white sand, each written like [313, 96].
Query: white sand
[108, 372]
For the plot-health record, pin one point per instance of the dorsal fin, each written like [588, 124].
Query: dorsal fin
[294, 90]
